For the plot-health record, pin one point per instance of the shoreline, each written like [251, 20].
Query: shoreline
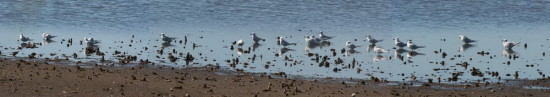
[37, 77]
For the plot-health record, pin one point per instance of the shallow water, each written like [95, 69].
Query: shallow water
[221, 22]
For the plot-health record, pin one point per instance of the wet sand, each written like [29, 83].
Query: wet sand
[37, 77]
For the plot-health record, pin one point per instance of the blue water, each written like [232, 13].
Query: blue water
[220, 22]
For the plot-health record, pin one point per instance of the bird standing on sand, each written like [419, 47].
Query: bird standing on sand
[47, 36]
[465, 39]
[412, 46]
[509, 45]
[398, 43]
[256, 38]
[351, 46]
[166, 39]
[23, 38]
[284, 42]
[372, 40]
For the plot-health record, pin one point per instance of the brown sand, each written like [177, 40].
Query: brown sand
[44, 78]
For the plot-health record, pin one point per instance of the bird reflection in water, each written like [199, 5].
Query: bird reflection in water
[351, 52]
[398, 52]
[47, 41]
[27, 45]
[413, 53]
[465, 47]
[317, 45]
[379, 58]
[91, 49]
[240, 51]
[284, 50]
[255, 45]
[166, 44]
[509, 52]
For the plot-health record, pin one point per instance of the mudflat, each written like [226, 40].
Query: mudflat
[39, 77]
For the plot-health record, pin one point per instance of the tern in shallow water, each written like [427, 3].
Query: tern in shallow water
[465, 39]
[398, 43]
[284, 42]
[47, 36]
[372, 40]
[351, 46]
[256, 38]
[166, 38]
[509, 44]
[311, 40]
[23, 38]
[323, 36]
[91, 41]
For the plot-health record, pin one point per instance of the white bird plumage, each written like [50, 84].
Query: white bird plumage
[311, 40]
[47, 36]
[256, 38]
[412, 46]
[23, 38]
[284, 42]
[240, 42]
[372, 40]
[398, 43]
[165, 38]
[351, 46]
[90, 41]
[322, 36]
[465, 39]
[509, 45]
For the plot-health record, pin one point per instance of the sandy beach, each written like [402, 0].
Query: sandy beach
[35, 77]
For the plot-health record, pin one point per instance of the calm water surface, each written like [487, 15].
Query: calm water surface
[214, 24]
